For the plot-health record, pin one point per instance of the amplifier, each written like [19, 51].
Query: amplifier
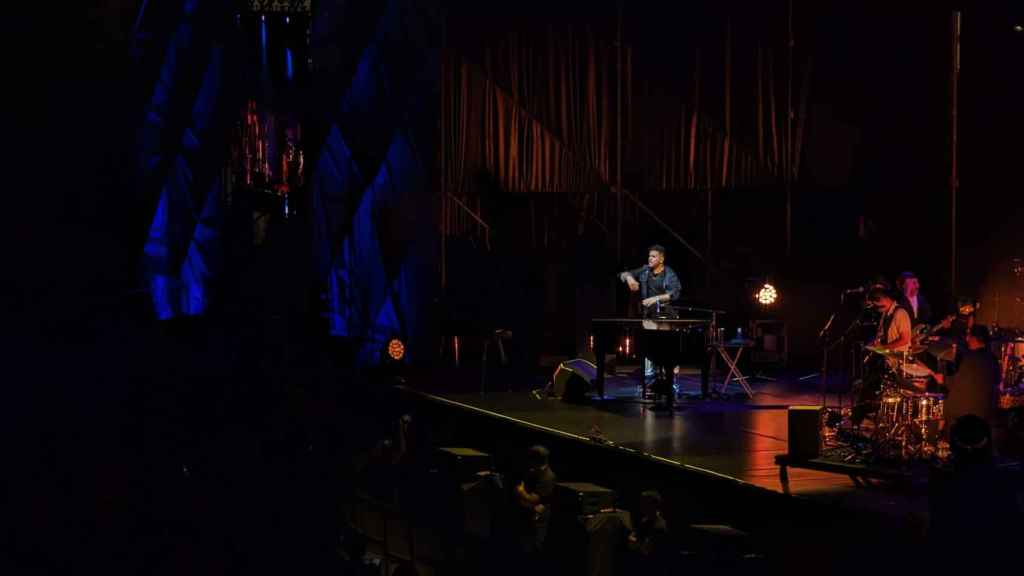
[582, 498]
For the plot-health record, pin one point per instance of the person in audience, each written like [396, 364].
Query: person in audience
[355, 562]
[533, 496]
[649, 540]
[971, 504]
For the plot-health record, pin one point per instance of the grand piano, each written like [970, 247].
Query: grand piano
[687, 329]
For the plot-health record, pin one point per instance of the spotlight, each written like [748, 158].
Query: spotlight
[767, 295]
[396, 350]
[1018, 28]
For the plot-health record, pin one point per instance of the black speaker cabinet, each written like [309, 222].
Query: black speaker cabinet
[805, 432]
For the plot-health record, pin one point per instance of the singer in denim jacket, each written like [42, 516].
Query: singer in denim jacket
[657, 283]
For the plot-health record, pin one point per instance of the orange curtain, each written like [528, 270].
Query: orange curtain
[491, 128]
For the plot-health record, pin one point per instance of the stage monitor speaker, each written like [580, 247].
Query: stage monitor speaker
[572, 379]
[805, 432]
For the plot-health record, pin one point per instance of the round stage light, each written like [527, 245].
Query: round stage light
[1018, 28]
[767, 295]
[396, 350]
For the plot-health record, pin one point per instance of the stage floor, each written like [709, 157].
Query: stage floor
[736, 437]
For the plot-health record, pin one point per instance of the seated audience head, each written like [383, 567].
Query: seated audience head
[970, 440]
[537, 457]
[650, 503]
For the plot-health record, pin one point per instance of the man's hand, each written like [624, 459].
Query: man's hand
[650, 301]
[634, 286]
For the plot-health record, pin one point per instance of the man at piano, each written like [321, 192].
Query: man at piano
[657, 283]
[659, 286]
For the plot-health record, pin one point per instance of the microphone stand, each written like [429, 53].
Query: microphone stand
[858, 321]
[823, 338]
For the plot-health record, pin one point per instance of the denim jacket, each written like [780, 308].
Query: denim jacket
[665, 283]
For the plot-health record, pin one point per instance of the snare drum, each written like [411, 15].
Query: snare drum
[927, 406]
[892, 409]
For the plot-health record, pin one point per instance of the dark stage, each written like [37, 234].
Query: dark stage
[733, 440]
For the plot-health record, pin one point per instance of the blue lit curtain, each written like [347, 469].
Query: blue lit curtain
[373, 220]
[181, 152]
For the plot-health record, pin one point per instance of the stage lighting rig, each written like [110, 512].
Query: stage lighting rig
[767, 295]
[395, 350]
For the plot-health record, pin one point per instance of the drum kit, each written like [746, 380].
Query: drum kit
[909, 419]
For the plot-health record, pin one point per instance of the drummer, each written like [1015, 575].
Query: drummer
[894, 327]
[893, 337]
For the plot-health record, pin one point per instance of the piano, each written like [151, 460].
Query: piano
[689, 320]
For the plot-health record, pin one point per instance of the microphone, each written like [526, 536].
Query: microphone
[857, 290]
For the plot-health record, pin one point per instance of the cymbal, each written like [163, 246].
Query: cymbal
[891, 352]
[882, 351]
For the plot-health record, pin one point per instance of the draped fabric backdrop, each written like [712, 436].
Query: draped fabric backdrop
[181, 153]
[487, 129]
[535, 109]
[374, 238]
